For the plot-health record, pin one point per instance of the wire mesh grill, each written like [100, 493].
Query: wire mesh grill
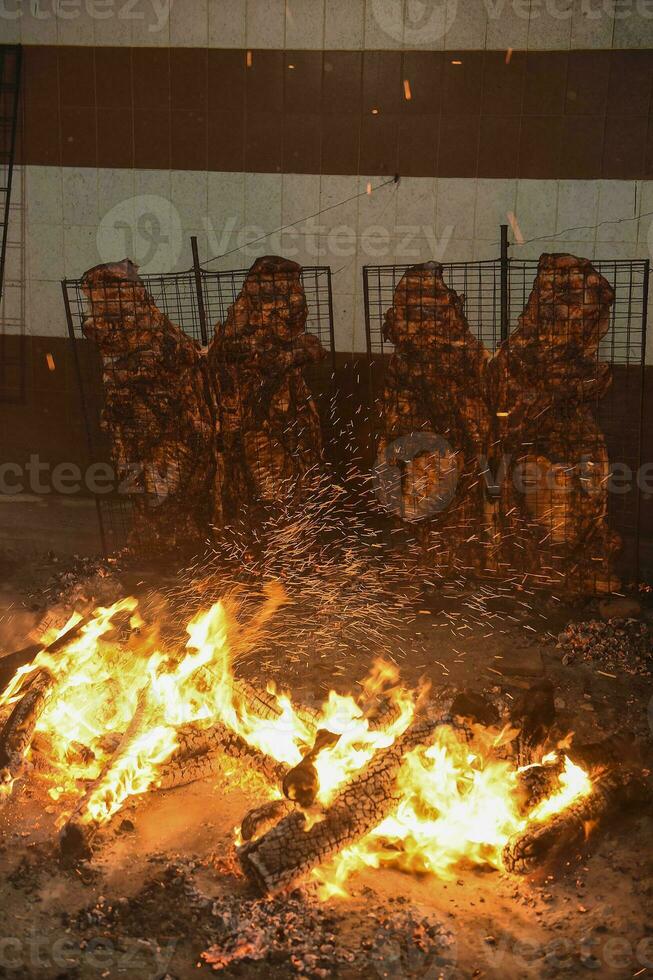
[478, 283]
[256, 370]
[598, 414]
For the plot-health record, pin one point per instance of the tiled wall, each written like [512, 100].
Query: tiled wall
[541, 114]
[72, 223]
[343, 24]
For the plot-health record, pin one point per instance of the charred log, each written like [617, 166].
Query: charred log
[79, 830]
[537, 783]
[20, 658]
[18, 730]
[179, 772]
[262, 818]
[614, 789]
[289, 851]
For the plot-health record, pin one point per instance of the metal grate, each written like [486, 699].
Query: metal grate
[478, 282]
[195, 301]
[618, 411]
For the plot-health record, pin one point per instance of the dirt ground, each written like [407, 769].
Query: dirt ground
[162, 887]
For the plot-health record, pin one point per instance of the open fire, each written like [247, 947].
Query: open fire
[383, 779]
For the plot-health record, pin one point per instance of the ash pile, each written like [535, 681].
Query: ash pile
[618, 646]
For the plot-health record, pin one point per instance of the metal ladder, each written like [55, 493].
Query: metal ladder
[12, 242]
[10, 66]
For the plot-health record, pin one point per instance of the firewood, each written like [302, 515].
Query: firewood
[265, 705]
[537, 783]
[79, 830]
[288, 851]
[194, 741]
[262, 818]
[381, 714]
[201, 751]
[615, 788]
[190, 769]
[18, 730]
[20, 658]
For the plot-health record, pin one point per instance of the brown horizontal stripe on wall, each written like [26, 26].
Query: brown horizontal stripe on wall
[540, 114]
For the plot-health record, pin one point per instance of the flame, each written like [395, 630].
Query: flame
[119, 698]
[456, 808]
[99, 683]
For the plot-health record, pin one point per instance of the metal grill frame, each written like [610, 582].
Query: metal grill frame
[496, 292]
[192, 300]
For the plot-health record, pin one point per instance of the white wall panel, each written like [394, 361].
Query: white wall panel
[422, 218]
[343, 24]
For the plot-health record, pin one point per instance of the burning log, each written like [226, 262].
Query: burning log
[265, 705]
[538, 782]
[289, 850]
[615, 788]
[262, 818]
[18, 730]
[202, 751]
[195, 742]
[79, 830]
[300, 785]
[20, 658]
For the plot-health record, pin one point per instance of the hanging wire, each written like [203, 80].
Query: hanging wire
[607, 221]
[276, 231]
